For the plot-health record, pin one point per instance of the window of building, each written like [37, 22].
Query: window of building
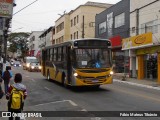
[60, 27]
[92, 24]
[119, 20]
[77, 34]
[33, 38]
[74, 20]
[71, 23]
[77, 18]
[102, 27]
[151, 26]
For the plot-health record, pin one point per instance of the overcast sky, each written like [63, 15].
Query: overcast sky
[43, 13]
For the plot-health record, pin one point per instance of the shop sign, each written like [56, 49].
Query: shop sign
[6, 8]
[148, 50]
[116, 41]
[137, 41]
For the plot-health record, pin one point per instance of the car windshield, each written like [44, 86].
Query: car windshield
[32, 60]
[91, 58]
[16, 62]
[33, 63]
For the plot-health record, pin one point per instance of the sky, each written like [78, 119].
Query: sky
[43, 13]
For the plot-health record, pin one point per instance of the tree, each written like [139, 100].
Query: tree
[18, 41]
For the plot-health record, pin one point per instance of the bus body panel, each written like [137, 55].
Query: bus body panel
[57, 68]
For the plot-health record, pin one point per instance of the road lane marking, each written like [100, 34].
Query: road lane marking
[96, 118]
[72, 103]
[47, 88]
[136, 84]
[50, 103]
[33, 80]
[83, 110]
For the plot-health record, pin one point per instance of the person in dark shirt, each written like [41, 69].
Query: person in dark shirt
[7, 75]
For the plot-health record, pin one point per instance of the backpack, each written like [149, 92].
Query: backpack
[6, 75]
[16, 99]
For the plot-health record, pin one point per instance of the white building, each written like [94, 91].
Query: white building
[46, 37]
[34, 42]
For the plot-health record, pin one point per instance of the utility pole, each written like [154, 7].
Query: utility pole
[5, 34]
[83, 27]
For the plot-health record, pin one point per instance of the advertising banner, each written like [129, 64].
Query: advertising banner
[137, 41]
[6, 8]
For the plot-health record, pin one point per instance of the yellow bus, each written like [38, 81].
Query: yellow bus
[80, 62]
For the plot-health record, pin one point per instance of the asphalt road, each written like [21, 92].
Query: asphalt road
[50, 96]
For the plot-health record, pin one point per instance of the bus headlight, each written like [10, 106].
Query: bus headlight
[32, 67]
[75, 74]
[28, 65]
[111, 72]
[39, 67]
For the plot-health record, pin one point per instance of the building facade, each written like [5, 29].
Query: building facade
[34, 42]
[113, 24]
[78, 23]
[62, 29]
[144, 43]
[45, 39]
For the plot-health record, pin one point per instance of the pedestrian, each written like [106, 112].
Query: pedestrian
[16, 95]
[7, 75]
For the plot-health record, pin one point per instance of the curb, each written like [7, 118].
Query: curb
[137, 84]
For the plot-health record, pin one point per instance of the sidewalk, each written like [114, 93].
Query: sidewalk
[148, 82]
[3, 103]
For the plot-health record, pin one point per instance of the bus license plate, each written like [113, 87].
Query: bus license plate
[95, 80]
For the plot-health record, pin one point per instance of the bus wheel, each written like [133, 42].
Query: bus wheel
[64, 81]
[48, 76]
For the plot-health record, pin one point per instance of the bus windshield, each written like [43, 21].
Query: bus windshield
[91, 58]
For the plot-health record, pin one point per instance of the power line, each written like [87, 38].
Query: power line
[25, 7]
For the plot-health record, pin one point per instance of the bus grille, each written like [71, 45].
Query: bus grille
[94, 71]
[93, 80]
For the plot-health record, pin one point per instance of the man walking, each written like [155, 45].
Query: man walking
[6, 75]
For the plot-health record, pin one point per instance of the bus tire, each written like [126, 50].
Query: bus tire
[64, 80]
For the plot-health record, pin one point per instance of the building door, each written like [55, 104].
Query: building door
[134, 74]
[151, 66]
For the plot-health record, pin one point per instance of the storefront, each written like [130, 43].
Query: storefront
[120, 58]
[147, 56]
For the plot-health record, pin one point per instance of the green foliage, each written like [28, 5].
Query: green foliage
[18, 41]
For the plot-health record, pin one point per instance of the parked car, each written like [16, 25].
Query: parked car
[17, 64]
[34, 66]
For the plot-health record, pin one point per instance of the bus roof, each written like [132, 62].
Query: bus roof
[71, 42]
